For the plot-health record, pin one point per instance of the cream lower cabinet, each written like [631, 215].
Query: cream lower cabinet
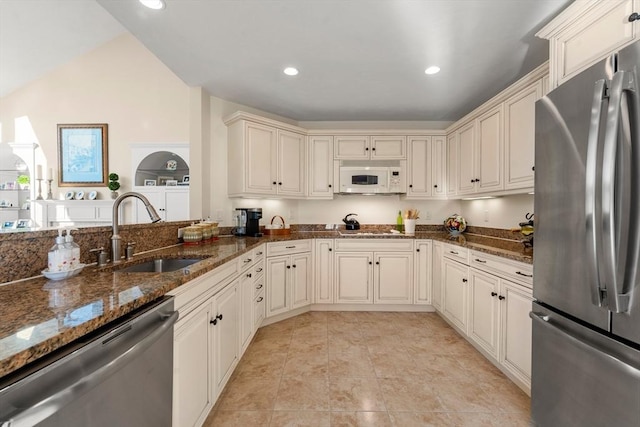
[226, 330]
[251, 289]
[484, 310]
[455, 290]
[172, 204]
[381, 276]
[515, 350]
[423, 268]
[323, 271]
[289, 276]
[436, 276]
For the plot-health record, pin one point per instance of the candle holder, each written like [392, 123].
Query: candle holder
[39, 189]
[49, 193]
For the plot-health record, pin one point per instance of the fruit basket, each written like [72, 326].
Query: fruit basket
[276, 229]
[455, 224]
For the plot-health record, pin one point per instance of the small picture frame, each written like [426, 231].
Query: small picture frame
[162, 180]
[172, 183]
[150, 182]
[185, 179]
[23, 223]
[10, 185]
[9, 224]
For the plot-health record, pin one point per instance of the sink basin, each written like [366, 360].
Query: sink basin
[161, 265]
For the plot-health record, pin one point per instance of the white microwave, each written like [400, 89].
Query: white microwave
[369, 177]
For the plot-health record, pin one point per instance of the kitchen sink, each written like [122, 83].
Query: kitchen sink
[161, 265]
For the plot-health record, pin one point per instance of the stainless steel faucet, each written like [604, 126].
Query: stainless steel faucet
[115, 238]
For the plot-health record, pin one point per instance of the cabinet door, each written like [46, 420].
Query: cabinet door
[323, 271]
[393, 281]
[436, 277]
[176, 205]
[301, 276]
[193, 367]
[438, 158]
[423, 270]
[455, 293]
[320, 167]
[519, 150]
[516, 330]
[247, 292]
[466, 173]
[353, 277]
[226, 334]
[156, 198]
[291, 163]
[277, 277]
[388, 147]
[351, 147]
[490, 151]
[260, 158]
[452, 164]
[419, 163]
[484, 310]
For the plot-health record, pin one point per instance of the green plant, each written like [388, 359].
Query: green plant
[23, 179]
[113, 185]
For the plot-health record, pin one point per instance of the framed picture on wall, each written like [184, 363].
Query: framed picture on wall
[82, 155]
[162, 180]
[149, 182]
[172, 182]
[185, 179]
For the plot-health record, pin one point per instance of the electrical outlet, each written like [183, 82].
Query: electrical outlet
[427, 215]
[219, 215]
[486, 216]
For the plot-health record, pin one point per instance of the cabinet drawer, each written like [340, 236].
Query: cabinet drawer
[344, 245]
[259, 284]
[258, 307]
[288, 247]
[455, 252]
[503, 267]
[258, 253]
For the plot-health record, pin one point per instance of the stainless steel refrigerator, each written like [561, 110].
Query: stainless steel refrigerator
[586, 313]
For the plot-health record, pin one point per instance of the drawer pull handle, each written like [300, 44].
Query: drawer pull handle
[522, 274]
[259, 253]
[259, 286]
[464, 280]
[247, 260]
[248, 274]
[290, 247]
[260, 299]
[493, 294]
[479, 260]
[500, 297]
[259, 270]
[453, 252]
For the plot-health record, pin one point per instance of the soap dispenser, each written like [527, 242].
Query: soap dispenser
[59, 255]
[73, 250]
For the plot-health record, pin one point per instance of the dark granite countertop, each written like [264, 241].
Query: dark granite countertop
[39, 316]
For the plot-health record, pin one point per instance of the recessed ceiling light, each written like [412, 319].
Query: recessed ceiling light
[291, 71]
[432, 70]
[153, 4]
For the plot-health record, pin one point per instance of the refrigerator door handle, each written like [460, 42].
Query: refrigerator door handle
[616, 169]
[592, 216]
[587, 346]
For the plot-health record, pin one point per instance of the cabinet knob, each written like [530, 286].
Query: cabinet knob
[435, 186]
[373, 149]
[248, 274]
[279, 183]
[418, 250]
[493, 294]
[288, 266]
[473, 180]
[533, 168]
[370, 263]
[634, 17]
[294, 266]
[464, 280]
[329, 185]
[274, 183]
[410, 185]
[214, 321]
[501, 297]
[366, 149]
[377, 262]
[330, 249]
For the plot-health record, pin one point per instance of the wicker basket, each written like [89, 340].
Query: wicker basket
[277, 231]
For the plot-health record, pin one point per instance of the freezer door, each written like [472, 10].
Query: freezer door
[580, 377]
[563, 275]
[627, 324]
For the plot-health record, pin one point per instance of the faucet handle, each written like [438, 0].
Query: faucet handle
[101, 256]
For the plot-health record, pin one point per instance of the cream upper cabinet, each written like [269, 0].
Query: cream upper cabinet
[425, 163]
[452, 164]
[320, 176]
[519, 147]
[586, 32]
[362, 147]
[490, 151]
[265, 160]
[466, 159]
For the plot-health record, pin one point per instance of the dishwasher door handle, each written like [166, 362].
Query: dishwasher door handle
[51, 404]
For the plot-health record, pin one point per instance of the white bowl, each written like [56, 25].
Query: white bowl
[59, 275]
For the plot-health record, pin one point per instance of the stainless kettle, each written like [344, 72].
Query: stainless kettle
[351, 223]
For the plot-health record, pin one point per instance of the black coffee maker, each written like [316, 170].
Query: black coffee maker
[248, 222]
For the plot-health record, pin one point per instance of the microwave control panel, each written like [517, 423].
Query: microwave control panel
[395, 180]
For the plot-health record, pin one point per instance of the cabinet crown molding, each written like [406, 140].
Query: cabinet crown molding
[242, 115]
[569, 15]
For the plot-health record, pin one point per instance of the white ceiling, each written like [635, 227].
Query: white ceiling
[358, 59]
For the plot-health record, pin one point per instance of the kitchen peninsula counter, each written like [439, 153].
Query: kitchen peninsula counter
[40, 316]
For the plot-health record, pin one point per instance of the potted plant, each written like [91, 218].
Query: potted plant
[114, 185]
[23, 181]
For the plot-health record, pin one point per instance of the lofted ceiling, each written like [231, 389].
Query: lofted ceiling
[358, 59]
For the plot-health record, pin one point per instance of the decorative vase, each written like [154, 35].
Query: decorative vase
[114, 195]
[455, 224]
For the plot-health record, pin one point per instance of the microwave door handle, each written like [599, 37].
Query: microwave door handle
[593, 223]
[616, 173]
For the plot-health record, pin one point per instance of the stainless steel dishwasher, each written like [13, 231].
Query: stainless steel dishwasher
[120, 376]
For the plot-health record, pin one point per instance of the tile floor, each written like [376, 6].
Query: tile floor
[366, 369]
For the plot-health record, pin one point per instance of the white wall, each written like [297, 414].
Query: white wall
[501, 212]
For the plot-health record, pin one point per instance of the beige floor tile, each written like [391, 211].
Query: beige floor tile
[250, 394]
[262, 365]
[384, 344]
[438, 367]
[303, 394]
[465, 396]
[351, 364]
[409, 394]
[300, 419]
[512, 399]
[393, 365]
[277, 343]
[311, 318]
[238, 419]
[421, 419]
[360, 419]
[347, 342]
[356, 394]
[320, 346]
[306, 365]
